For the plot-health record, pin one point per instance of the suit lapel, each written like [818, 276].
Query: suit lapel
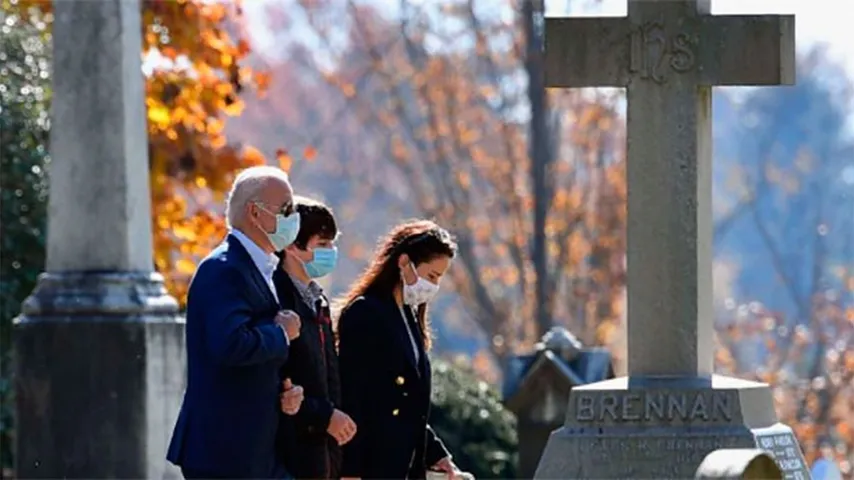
[250, 271]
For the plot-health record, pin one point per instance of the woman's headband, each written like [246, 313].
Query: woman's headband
[412, 240]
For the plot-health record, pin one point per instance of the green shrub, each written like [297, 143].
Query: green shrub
[472, 422]
[24, 124]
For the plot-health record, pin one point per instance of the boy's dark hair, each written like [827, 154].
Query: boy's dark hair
[315, 219]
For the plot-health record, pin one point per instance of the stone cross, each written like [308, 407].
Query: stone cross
[668, 54]
[671, 411]
[99, 345]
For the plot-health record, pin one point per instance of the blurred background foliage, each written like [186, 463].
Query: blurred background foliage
[472, 422]
[24, 126]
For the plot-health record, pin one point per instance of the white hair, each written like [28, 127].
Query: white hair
[247, 187]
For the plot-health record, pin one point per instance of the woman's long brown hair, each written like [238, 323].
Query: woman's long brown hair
[422, 241]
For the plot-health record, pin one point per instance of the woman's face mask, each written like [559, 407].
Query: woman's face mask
[422, 291]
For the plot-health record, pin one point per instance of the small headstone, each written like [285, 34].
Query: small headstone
[738, 464]
[537, 387]
[781, 444]
[670, 412]
[99, 345]
[562, 342]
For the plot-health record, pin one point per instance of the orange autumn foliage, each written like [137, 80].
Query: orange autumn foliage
[810, 366]
[195, 51]
[411, 109]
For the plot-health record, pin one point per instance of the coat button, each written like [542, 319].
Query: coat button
[395, 412]
[399, 380]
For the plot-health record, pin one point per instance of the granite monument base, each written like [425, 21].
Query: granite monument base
[664, 427]
[100, 376]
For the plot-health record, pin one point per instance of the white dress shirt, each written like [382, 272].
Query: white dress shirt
[310, 292]
[266, 264]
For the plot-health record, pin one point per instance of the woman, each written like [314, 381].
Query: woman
[384, 336]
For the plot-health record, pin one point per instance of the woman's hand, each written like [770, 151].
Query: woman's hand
[341, 427]
[447, 466]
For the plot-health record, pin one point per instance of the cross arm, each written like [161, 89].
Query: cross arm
[587, 52]
[747, 50]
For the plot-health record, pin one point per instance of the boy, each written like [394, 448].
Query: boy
[309, 442]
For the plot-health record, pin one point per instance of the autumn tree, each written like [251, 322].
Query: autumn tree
[787, 317]
[194, 60]
[434, 98]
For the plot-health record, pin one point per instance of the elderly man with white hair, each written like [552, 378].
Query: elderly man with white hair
[237, 339]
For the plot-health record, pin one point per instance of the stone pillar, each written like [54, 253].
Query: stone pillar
[99, 345]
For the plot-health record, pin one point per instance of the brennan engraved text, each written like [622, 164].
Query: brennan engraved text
[653, 407]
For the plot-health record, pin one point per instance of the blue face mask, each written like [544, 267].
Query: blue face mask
[286, 232]
[324, 261]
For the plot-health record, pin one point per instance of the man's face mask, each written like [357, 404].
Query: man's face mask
[287, 228]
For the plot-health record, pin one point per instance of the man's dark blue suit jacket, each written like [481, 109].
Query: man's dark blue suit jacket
[227, 424]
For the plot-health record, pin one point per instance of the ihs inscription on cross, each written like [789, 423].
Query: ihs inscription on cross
[668, 54]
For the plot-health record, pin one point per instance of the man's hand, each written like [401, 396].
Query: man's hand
[293, 264]
[290, 321]
[291, 398]
[341, 427]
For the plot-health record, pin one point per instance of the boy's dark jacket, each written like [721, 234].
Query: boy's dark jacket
[302, 442]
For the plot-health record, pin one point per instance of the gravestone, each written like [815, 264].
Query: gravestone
[670, 411]
[99, 346]
[536, 387]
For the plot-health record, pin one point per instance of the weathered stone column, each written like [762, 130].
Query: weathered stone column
[99, 345]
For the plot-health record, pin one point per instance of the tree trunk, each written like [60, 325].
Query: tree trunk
[539, 148]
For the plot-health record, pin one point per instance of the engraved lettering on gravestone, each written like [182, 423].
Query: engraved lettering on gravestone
[661, 456]
[782, 447]
[682, 59]
[651, 47]
[630, 405]
[659, 407]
